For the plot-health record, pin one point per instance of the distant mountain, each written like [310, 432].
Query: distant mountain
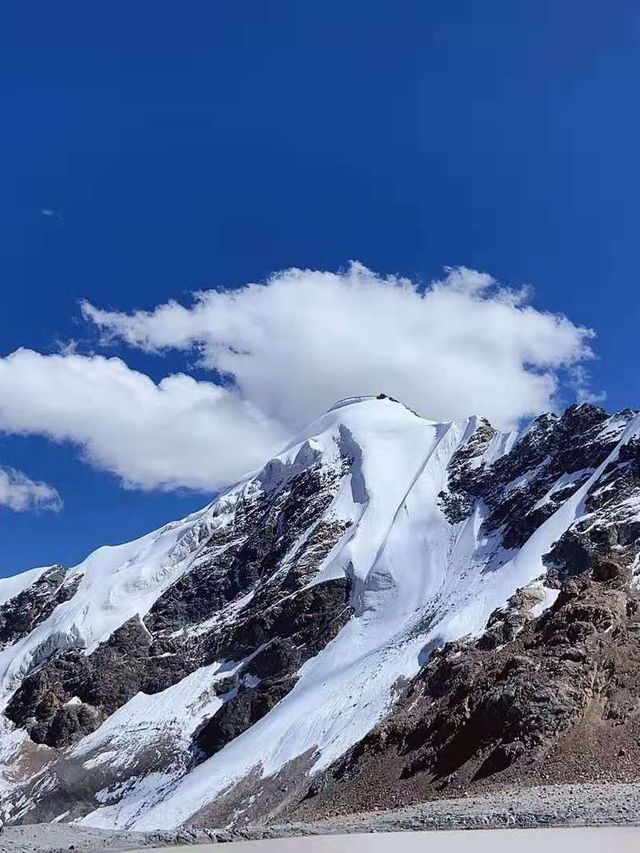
[391, 608]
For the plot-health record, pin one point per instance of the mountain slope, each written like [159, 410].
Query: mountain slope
[232, 663]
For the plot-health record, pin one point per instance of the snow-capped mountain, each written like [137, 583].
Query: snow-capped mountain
[302, 633]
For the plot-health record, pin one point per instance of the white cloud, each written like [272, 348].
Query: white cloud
[52, 214]
[19, 493]
[290, 348]
[304, 339]
[179, 432]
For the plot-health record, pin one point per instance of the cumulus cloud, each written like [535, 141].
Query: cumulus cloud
[177, 433]
[19, 493]
[281, 352]
[303, 339]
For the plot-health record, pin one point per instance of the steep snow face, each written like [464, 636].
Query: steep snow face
[411, 570]
[425, 561]
[13, 586]
[418, 580]
[400, 553]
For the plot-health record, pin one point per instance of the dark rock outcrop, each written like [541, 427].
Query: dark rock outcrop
[21, 614]
[301, 629]
[73, 693]
[557, 699]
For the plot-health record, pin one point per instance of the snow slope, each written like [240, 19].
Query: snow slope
[116, 582]
[13, 586]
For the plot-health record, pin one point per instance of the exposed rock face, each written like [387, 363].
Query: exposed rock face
[391, 609]
[21, 614]
[73, 693]
[558, 702]
[301, 627]
[280, 627]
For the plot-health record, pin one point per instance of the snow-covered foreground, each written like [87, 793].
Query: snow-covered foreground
[417, 580]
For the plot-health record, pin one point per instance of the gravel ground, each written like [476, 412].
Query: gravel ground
[544, 806]
[575, 839]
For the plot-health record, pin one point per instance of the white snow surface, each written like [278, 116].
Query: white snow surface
[115, 583]
[13, 586]
[417, 580]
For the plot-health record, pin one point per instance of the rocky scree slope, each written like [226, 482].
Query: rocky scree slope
[412, 605]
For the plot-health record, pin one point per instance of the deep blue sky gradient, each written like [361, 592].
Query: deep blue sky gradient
[186, 145]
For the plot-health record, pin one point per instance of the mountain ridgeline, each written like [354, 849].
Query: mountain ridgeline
[392, 609]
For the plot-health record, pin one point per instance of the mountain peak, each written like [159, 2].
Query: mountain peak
[364, 398]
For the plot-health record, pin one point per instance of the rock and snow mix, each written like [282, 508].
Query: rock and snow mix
[270, 632]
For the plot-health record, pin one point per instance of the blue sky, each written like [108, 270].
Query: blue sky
[149, 151]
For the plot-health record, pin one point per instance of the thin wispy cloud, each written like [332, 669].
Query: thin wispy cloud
[19, 493]
[50, 213]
